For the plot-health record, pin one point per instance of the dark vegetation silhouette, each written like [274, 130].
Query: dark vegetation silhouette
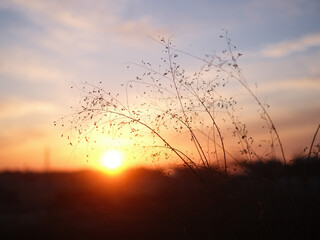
[147, 204]
[166, 105]
[176, 115]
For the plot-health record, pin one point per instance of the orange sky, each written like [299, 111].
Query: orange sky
[48, 46]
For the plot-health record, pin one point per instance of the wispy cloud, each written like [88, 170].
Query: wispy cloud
[25, 65]
[303, 85]
[16, 108]
[84, 24]
[288, 47]
[50, 12]
[15, 137]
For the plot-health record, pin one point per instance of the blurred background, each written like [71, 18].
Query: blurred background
[48, 46]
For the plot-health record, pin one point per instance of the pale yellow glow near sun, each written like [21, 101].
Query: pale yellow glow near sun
[112, 161]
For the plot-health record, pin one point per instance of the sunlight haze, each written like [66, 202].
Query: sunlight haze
[49, 48]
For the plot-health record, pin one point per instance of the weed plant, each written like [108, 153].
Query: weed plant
[146, 204]
[171, 113]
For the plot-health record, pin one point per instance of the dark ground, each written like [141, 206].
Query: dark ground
[269, 201]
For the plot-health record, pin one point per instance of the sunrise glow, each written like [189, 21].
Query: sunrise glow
[112, 161]
[69, 43]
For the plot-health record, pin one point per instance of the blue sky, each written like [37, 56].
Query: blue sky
[48, 45]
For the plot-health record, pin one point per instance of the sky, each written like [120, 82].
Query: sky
[47, 46]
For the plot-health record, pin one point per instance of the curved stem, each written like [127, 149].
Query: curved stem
[314, 138]
[194, 137]
[157, 134]
[242, 81]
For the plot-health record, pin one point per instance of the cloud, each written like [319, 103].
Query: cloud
[27, 65]
[289, 8]
[50, 12]
[286, 48]
[16, 137]
[14, 108]
[303, 84]
[136, 29]
[84, 24]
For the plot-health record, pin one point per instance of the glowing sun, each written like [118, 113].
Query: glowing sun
[112, 160]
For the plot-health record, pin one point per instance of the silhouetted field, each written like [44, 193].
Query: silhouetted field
[267, 201]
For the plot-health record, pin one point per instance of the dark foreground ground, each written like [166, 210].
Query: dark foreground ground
[270, 201]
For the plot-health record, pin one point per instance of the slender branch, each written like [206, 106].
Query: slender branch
[242, 81]
[156, 133]
[314, 138]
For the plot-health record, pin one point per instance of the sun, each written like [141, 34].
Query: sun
[112, 161]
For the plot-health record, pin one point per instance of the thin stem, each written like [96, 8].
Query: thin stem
[193, 136]
[242, 81]
[156, 133]
[314, 138]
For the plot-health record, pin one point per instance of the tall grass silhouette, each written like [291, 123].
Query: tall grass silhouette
[173, 113]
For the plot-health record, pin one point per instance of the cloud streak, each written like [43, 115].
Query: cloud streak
[14, 108]
[25, 65]
[84, 23]
[302, 85]
[287, 48]
[15, 137]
